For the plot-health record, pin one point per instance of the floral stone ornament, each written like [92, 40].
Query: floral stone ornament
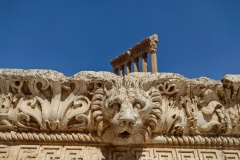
[92, 111]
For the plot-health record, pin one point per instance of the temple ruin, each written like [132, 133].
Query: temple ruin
[139, 51]
[45, 115]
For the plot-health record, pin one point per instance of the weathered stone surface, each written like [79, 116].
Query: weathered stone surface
[138, 52]
[59, 152]
[140, 115]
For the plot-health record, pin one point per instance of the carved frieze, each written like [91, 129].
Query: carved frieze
[100, 107]
[59, 152]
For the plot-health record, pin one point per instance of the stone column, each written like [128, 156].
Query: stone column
[136, 65]
[144, 62]
[154, 62]
[116, 70]
[122, 71]
[129, 67]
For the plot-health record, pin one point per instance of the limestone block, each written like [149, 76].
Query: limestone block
[99, 115]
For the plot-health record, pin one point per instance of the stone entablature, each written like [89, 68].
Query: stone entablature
[139, 51]
[138, 115]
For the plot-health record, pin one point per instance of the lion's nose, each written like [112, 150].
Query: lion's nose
[125, 122]
[127, 119]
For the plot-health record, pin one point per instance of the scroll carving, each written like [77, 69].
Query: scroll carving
[103, 107]
[42, 104]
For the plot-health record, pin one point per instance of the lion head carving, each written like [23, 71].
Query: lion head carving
[128, 113]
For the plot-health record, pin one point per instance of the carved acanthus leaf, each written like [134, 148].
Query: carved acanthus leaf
[134, 108]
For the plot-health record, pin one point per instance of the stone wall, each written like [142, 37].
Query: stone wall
[99, 115]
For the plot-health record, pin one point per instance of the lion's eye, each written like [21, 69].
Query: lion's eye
[115, 106]
[137, 106]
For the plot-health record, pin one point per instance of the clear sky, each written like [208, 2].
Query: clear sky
[196, 37]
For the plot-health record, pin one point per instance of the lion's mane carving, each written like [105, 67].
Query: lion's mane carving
[128, 113]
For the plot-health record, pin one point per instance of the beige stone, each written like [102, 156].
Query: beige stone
[139, 51]
[99, 115]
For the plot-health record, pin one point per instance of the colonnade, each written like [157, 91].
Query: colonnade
[128, 65]
[123, 64]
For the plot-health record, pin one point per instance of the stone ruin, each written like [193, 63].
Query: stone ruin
[139, 51]
[45, 115]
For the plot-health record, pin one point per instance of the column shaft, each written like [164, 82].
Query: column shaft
[115, 70]
[144, 62]
[154, 62]
[122, 71]
[136, 65]
[129, 67]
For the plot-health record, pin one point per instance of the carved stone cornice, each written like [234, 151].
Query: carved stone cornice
[100, 107]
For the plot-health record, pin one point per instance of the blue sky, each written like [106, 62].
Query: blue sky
[196, 38]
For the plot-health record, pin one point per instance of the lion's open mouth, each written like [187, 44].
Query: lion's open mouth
[124, 134]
